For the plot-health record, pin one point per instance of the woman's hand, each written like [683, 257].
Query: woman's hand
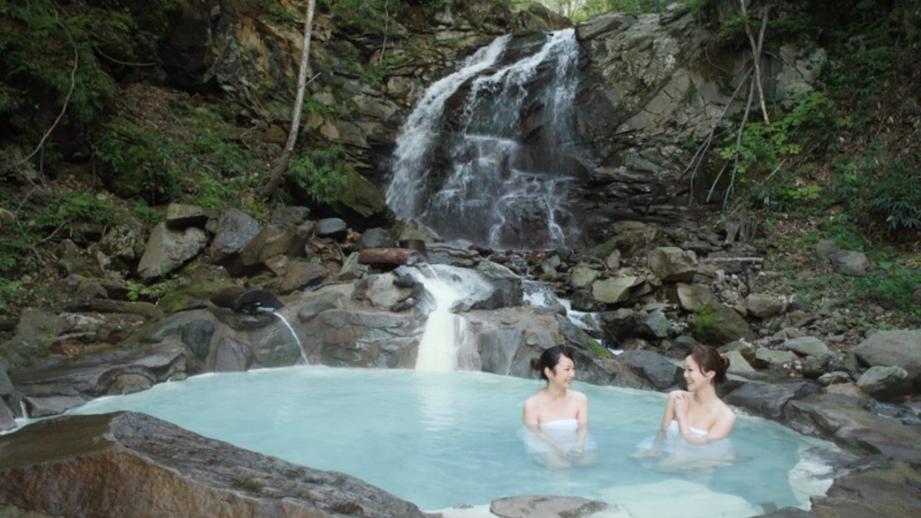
[681, 405]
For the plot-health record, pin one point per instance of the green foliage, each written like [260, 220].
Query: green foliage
[892, 286]
[321, 173]
[705, 324]
[598, 349]
[880, 192]
[139, 160]
[139, 291]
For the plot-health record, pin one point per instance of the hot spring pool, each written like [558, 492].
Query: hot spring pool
[445, 439]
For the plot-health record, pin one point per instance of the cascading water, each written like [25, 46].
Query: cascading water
[509, 160]
[447, 286]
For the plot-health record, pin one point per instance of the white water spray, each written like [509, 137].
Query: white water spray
[415, 137]
[300, 346]
[447, 285]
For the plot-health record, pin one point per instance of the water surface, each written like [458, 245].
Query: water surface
[445, 439]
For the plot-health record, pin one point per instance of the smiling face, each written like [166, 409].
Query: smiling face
[563, 374]
[694, 375]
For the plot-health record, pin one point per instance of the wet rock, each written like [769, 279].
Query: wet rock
[352, 269]
[7, 422]
[550, 506]
[231, 356]
[234, 230]
[893, 348]
[169, 249]
[850, 263]
[807, 346]
[672, 264]
[197, 335]
[318, 304]
[42, 406]
[769, 399]
[388, 257]
[130, 383]
[507, 288]
[661, 372]
[885, 382]
[892, 491]
[840, 417]
[103, 465]
[381, 291]
[763, 306]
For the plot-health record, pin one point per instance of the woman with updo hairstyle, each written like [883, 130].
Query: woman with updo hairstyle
[697, 414]
[556, 417]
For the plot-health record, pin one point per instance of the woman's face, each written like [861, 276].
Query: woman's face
[693, 375]
[563, 373]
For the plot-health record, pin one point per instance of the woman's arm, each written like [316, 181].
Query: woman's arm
[582, 417]
[719, 430]
[532, 423]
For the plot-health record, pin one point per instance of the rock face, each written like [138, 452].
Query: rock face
[127, 464]
[549, 507]
[891, 491]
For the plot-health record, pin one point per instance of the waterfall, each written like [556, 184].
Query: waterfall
[448, 286]
[502, 176]
[415, 136]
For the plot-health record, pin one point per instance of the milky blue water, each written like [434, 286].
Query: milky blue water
[446, 439]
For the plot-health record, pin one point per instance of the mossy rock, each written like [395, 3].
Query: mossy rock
[362, 197]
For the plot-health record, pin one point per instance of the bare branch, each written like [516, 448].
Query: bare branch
[70, 91]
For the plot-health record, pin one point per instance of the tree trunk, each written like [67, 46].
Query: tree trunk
[281, 167]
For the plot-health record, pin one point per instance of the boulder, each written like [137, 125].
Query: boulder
[376, 238]
[616, 290]
[885, 382]
[769, 399]
[331, 227]
[271, 241]
[900, 348]
[807, 346]
[180, 216]
[894, 490]
[693, 297]
[661, 372]
[762, 306]
[169, 249]
[842, 418]
[719, 325]
[583, 276]
[672, 264]
[850, 263]
[231, 356]
[737, 363]
[7, 420]
[105, 465]
[234, 230]
[770, 358]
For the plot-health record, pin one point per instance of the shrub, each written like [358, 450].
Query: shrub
[321, 174]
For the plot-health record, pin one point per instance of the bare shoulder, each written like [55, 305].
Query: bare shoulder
[532, 402]
[577, 396]
[726, 412]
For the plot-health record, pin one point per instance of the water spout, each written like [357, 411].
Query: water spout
[300, 346]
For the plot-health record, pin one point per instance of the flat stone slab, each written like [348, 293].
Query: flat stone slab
[132, 465]
[547, 507]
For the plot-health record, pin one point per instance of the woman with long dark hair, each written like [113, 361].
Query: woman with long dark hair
[556, 417]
